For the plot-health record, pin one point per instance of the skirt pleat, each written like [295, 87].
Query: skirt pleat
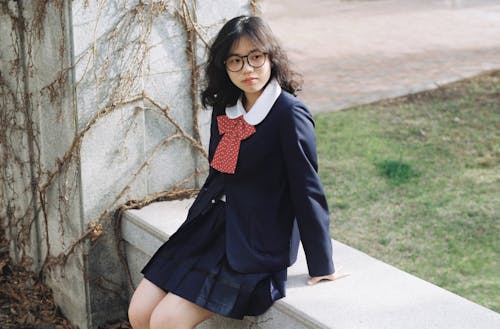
[192, 264]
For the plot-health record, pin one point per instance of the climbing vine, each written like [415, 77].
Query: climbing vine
[38, 191]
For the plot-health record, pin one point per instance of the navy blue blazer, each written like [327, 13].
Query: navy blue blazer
[276, 184]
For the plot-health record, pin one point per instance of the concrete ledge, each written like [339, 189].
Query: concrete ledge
[376, 295]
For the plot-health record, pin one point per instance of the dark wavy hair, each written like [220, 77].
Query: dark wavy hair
[220, 91]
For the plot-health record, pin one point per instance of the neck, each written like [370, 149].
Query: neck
[249, 100]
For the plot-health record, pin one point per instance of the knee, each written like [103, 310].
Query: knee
[138, 316]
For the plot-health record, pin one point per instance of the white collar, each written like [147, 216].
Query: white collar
[260, 109]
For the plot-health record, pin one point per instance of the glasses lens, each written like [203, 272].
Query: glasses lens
[234, 63]
[256, 59]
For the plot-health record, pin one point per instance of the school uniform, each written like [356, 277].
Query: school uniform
[242, 232]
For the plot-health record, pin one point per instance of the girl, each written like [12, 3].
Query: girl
[231, 255]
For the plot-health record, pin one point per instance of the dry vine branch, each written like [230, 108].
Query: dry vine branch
[110, 67]
[190, 25]
[255, 7]
[196, 143]
[94, 229]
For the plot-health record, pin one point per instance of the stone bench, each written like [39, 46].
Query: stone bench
[376, 295]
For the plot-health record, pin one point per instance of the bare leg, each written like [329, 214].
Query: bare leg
[174, 312]
[145, 299]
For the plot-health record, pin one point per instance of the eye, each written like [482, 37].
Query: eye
[256, 56]
[233, 60]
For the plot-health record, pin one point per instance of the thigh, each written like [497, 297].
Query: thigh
[144, 300]
[176, 312]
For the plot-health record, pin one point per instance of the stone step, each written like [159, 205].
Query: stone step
[375, 295]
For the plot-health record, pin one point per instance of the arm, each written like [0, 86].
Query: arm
[212, 145]
[299, 149]
[213, 184]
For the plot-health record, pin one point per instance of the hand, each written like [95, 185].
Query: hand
[332, 277]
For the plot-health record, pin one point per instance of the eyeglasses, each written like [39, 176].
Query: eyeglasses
[255, 59]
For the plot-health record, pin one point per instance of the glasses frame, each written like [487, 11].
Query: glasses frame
[265, 53]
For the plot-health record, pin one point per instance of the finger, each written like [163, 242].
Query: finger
[313, 281]
[331, 277]
[317, 279]
[340, 276]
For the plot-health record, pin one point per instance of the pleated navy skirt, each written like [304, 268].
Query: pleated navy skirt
[192, 264]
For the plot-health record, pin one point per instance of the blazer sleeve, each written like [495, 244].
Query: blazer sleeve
[213, 184]
[298, 142]
[212, 145]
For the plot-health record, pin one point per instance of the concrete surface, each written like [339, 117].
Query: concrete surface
[32, 64]
[376, 295]
[356, 52]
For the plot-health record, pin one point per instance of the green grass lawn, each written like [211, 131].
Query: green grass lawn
[415, 182]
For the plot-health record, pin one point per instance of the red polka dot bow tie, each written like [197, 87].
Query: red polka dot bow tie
[226, 153]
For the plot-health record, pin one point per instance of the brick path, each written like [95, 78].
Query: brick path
[356, 52]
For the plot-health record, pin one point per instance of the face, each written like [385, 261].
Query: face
[250, 80]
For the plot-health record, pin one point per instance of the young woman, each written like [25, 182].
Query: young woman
[231, 255]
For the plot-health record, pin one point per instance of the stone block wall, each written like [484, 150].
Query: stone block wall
[100, 106]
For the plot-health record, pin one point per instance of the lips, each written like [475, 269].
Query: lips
[249, 80]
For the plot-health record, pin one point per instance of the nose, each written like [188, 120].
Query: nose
[246, 66]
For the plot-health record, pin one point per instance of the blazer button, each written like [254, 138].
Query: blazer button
[213, 200]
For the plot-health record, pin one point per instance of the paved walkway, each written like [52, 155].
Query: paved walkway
[353, 52]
